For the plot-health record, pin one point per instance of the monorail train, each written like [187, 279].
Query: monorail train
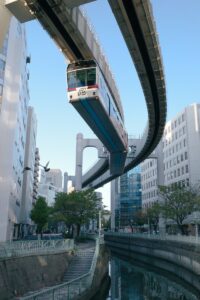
[90, 95]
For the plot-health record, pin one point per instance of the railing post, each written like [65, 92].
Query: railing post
[68, 292]
[79, 286]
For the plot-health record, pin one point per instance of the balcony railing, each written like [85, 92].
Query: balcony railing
[26, 248]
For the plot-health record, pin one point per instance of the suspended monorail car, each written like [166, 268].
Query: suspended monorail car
[89, 93]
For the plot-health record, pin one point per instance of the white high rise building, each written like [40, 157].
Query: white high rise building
[152, 176]
[28, 175]
[14, 98]
[50, 184]
[178, 161]
[54, 177]
[181, 147]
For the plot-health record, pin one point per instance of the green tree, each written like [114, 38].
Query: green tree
[153, 214]
[76, 208]
[137, 218]
[39, 214]
[179, 202]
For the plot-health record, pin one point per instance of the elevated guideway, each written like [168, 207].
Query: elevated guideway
[135, 20]
[101, 167]
[71, 32]
[96, 171]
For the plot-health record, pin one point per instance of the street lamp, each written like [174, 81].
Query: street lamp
[99, 223]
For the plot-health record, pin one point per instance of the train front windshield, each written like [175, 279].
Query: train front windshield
[79, 78]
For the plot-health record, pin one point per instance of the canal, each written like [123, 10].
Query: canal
[138, 282]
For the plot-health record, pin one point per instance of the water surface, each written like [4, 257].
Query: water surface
[131, 282]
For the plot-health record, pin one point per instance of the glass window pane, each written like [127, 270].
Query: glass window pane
[81, 78]
[91, 77]
[71, 79]
[2, 64]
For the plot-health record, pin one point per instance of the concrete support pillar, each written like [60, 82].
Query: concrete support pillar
[81, 144]
[79, 162]
[65, 189]
[114, 196]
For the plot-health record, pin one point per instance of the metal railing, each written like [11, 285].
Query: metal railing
[177, 238]
[68, 290]
[26, 248]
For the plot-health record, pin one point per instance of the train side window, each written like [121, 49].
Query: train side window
[112, 111]
[108, 104]
[71, 78]
[101, 83]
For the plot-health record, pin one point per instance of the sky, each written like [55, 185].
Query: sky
[178, 27]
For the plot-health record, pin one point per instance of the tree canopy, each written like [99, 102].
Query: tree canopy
[153, 214]
[76, 208]
[179, 202]
[39, 213]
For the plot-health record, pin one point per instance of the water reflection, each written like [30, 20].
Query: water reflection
[130, 282]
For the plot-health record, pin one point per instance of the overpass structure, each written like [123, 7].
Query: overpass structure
[68, 27]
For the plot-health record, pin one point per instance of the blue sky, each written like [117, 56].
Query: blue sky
[178, 26]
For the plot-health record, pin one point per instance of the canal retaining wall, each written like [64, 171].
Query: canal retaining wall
[179, 258]
[29, 273]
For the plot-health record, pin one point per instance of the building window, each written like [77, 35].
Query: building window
[174, 161]
[1, 92]
[1, 89]
[2, 68]
[186, 156]
[186, 169]
[182, 169]
[3, 50]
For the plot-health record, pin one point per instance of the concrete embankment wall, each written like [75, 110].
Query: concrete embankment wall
[30, 273]
[179, 258]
